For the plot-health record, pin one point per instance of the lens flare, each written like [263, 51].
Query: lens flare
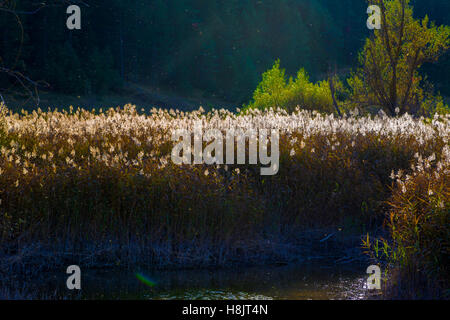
[145, 280]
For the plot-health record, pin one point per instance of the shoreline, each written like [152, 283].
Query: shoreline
[34, 259]
[24, 285]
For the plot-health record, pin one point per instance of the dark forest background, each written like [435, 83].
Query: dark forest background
[214, 48]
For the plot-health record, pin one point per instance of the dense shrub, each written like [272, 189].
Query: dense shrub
[276, 91]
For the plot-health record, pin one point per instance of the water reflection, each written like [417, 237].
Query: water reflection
[260, 283]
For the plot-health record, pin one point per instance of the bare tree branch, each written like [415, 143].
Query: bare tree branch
[42, 5]
[26, 83]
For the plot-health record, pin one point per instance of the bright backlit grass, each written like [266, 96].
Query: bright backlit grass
[100, 186]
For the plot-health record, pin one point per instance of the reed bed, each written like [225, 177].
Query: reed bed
[417, 252]
[99, 188]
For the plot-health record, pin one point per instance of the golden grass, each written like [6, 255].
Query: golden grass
[101, 185]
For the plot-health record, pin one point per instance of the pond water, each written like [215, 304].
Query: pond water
[294, 282]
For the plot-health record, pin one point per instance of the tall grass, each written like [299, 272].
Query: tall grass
[417, 253]
[100, 188]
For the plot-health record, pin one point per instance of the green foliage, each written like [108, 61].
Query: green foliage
[217, 49]
[433, 104]
[276, 91]
[388, 76]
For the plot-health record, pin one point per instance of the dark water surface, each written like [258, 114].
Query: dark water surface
[306, 281]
